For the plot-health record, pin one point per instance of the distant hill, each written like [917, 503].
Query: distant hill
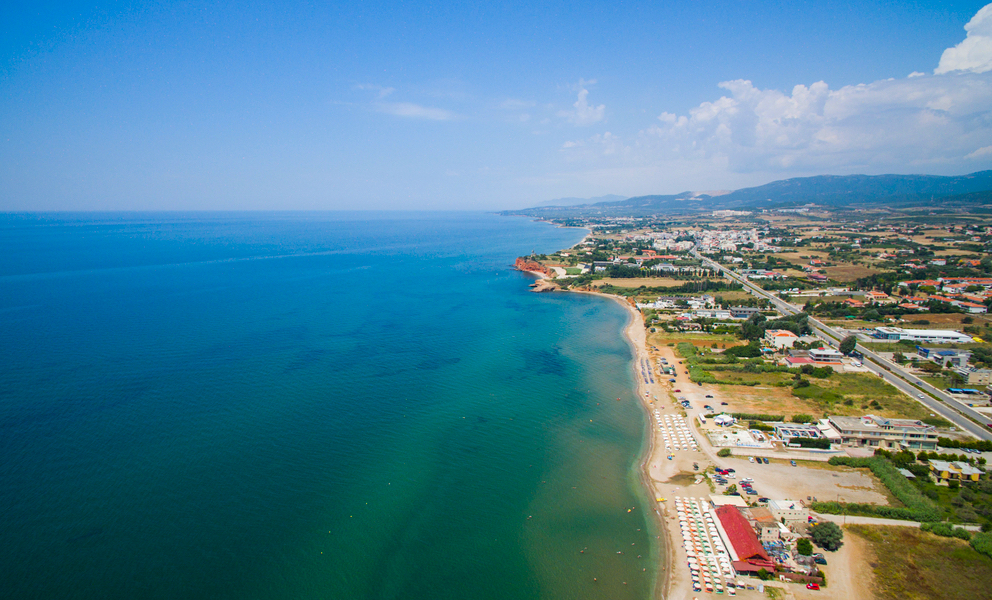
[844, 190]
[837, 191]
[579, 201]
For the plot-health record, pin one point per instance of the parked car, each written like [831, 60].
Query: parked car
[677, 391]
[724, 404]
[751, 492]
[792, 462]
[812, 586]
[766, 460]
[709, 395]
[750, 459]
[730, 470]
[762, 499]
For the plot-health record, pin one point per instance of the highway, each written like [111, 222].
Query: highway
[939, 401]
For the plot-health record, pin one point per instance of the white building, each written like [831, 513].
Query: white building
[791, 510]
[933, 336]
[780, 338]
[826, 355]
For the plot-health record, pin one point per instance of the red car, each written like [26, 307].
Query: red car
[812, 586]
[678, 390]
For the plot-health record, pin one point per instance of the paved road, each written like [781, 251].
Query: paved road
[936, 400]
[857, 520]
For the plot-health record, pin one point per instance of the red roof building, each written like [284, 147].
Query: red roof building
[742, 536]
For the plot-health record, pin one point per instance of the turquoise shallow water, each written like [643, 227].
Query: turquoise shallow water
[310, 405]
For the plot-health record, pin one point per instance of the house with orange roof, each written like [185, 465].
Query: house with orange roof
[878, 298]
[780, 338]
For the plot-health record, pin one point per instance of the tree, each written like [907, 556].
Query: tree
[804, 547]
[930, 367]
[723, 452]
[872, 315]
[848, 344]
[827, 535]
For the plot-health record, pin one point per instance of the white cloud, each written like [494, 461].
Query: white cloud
[984, 151]
[380, 90]
[899, 123]
[974, 54]
[415, 111]
[581, 113]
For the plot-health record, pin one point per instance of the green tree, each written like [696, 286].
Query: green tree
[804, 546]
[872, 315]
[848, 344]
[930, 367]
[723, 452]
[827, 535]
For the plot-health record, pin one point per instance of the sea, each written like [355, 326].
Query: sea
[311, 405]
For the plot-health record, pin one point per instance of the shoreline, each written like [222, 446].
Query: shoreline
[633, 333]
[635, 336]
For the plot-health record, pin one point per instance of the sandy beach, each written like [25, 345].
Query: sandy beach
[665, 479]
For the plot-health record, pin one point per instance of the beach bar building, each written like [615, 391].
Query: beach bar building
[739, 537]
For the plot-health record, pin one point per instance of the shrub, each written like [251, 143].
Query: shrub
[983, 445]
[757, 417]
[759, 426]
[819, 443]
[804, 546]
[685, 350]
[982, 542]
[723, 452]
[822, 372]
[802, 418]
[946, 530]
[827, 535]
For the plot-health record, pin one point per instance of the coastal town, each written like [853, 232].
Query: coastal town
[817, 390]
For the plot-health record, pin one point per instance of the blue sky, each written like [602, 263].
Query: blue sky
[307, 105]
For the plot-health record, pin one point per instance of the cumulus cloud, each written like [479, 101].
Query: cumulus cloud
[582, 113]
[914, 121]
[415, 111]
[974, 54]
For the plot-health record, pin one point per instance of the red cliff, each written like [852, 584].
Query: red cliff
[523, 264]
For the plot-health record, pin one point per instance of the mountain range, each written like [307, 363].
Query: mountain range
[836, 191]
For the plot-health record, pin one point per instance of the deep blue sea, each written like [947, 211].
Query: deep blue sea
[310, 405]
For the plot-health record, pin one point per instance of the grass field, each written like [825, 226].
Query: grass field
[914, 565]
[841, 394]
[663, 338]
[831, 395]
